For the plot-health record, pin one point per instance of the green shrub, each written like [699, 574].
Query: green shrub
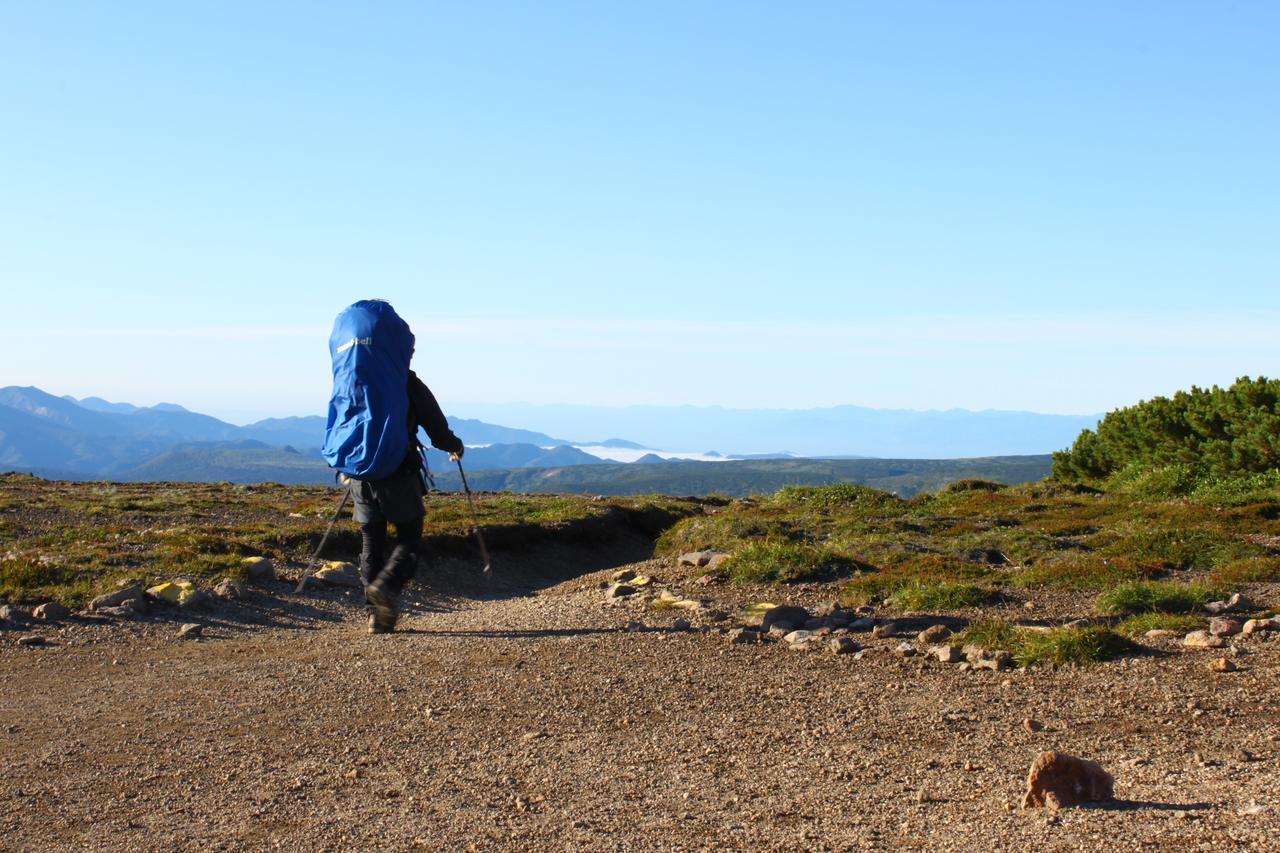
[1213, 432]
[838, 496]
[974, 485]
[1071, 645]
[1161, 597]
[785, 562]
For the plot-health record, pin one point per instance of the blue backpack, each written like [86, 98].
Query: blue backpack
[367, 431]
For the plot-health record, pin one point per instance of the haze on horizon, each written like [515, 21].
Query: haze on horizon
[1059, 208]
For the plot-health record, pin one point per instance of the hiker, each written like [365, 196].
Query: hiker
[371, 439]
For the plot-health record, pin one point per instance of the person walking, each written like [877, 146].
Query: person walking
[377, 406]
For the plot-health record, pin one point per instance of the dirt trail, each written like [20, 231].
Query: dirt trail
[534, 719]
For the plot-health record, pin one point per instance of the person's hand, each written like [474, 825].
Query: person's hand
[454, 457]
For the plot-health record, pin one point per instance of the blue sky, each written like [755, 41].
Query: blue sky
[1060, 207]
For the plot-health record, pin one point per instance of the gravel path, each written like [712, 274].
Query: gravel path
[535, 719]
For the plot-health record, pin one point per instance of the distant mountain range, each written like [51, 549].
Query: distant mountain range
[92, 438]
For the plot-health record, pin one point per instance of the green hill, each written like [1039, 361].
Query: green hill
[904, 477]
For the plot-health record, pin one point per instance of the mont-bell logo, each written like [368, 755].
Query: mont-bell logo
[363, 342]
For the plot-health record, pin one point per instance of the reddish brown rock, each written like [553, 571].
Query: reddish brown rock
[1057, 780]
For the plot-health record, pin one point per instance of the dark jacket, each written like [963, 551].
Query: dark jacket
[425, 412]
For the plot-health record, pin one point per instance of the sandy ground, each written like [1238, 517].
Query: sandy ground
[524, 715]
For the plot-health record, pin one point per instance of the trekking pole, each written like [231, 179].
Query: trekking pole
[346, 495]
[475, 524]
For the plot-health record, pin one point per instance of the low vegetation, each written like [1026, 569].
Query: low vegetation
[963, 546]
[1156, 597]
[1037, 647]
[67, 541]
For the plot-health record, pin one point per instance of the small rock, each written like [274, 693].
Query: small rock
[31, 640]
[782, 626]
[1223, 665]
[784, 613]
[680, 625]
[714, 615]
[229, 589]
[9, 614]
[1230, 605]
[1222, 626]
[190, 631]
[1202, 640]
[934, 634]
[117, 612]
[633, 626]
[906, 650]
[619, 590]
[973, 652]
[127, 590]
[1057, 780]
[864, 623]
[996, 661]
[259, 569]
[623, 575]
[707, 579]
[1077, 623]
[172, 592]
[947, 653]
[842, 646]
[137, 605]
[50, 611]
[1032, 726]
[697, 559]
[887, 629]
[715, 561]
[798, 637]
[340, 573]
[744, 635]
[1161, 634]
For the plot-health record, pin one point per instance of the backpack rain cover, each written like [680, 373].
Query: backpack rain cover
[367, 431]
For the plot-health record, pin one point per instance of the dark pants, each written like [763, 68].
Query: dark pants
[400, 568]
[396, 499]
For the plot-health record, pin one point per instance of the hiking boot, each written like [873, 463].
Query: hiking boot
[385, 612]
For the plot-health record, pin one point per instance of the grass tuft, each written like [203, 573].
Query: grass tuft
[1141, 623]
[1072, 645]
[785, 562]
[922, 595]
[988, 633]
[1160, 597]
